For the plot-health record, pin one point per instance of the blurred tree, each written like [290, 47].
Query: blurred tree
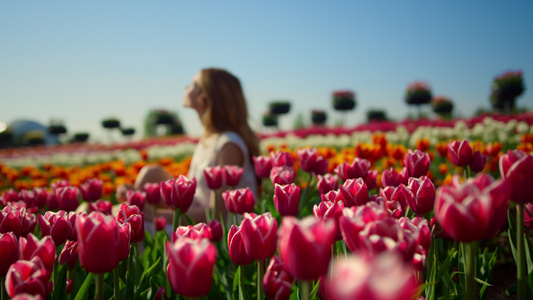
[318, 117]
[442, 106]
[299, 121]
[343, 101]
[418, 93]
[376, 115]
[506, 88]
[161, 117]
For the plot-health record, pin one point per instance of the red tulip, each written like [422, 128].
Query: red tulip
[51, 201]
[400, 194]
[479, 205]
[282, 159]
[45, 249]
[282, 175]
[236, 249]
[136, 198]
[178, 192]
[383, 277]
[152, 190]
[263, 166]
[308, 159]
[132, 215]
[57, 226]
[354, 220]
[67, 197]
[370, 179]
[10, 196]
[160, 223]
[190, 266]
[357, 169]
[329, 210]
[286, 199]
[91, 190]
[9, 252]
[507, 160]
[98, 241]
[277, 283]
[17, 220]
[103, 206]
[216, 230]
[213, 177]
[322, 166]
[34, 198]
[69, 254]
[518, 178]
[461, 153]
[423, 198]
[239, 201]
[419, 229]
[29, 277]
[124, 241]
[391, 178]
[478, 162]
[260, 235]
[232, 175]
[196, 232]
[327, 183]
[354, 192]
[59, 184]
[305, 246]
[416, 163]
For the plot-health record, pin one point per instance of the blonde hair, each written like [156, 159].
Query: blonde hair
[225, 108]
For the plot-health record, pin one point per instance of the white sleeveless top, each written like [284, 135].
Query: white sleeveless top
[205, 156]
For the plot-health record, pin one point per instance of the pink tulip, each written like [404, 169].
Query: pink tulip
[260, 235]
[282, 175]
[98, 241]
[357, 169]
[45, 249]
[478, 162]
[263, 166]
[67, 197]
[416, 163]
[103, 206]
[9, 196]
[308, 159]
[239, 201]
[152, 190]
[400, 194]
[461, 153]
[136, 198]
[354, 220]
[236, 249]
[419, 229]
[17, 220]
[232, 175]
[124, 241]
[190, 266]
[91, 190]
[423, 198]
[69, 254]
[160, 223]
[213, 177]
[286, 199]
[390, 178]
[327, 183]
[370, 179]
[277, 283]
[216, 230]
[51, 201]
[354, 192]
[305, 246]
[328, 210]
[518, 178]
[59, 184]
[322, 166]
[196, 232]
[380, 278]
[9, 252]
[508, 160]
[34, 198]
[479, 205]
[178, 192]
[282, 159]
[57, 225]
[134, 216]
[29, 277]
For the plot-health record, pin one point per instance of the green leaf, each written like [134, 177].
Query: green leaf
[60, 285]
[146, 275]
[82, 293]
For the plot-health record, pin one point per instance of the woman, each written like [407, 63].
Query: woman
[217, 97]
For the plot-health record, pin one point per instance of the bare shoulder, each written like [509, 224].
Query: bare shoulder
[230, 154]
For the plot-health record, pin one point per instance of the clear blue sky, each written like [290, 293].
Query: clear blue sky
[82, 61]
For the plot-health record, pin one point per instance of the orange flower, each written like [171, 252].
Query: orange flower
[422, 144]
[442, 148]
[443, 168]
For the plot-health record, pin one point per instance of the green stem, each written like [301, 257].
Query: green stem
[99, 278]
[305, 290]
[467, 172]
[154, 216]
[215, 196]
[521, 274]
[235, 219]
[470, 256]
[116, 283]
[3, 293]
[132, 266]
[260, 274]
[176, 221]
[241, 282]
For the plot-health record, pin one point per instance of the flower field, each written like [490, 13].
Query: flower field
[391, 210]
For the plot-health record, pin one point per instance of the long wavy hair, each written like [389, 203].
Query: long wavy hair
[225, 108]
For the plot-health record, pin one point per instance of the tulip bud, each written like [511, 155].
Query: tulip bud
[328, 210]
[9, 196]
[308, 159]
[160, 223]
[179, 192]
[136, 198]
[390, 178]
[196, 232]
[322, 166]
[153, 194]
[260, 235]
[216, 230]
[132, 215]
[57, 226]
[213, 177]
[45, 249]
[327, 183]
[507, 160]
[9, 252]
[280, 159]
[282, 175]
[91, 190]
[357, 169]
[478, 162]
[28, 277]
[370, 179]
[354, 192]
[236, 249]
[17, 220]
[423, 198]
[277, 283]
[461, 153]
[69, 254]
[239, 201]
[263, 166]
[354, 220]
[286, 199]
[103, 206]
[67, 197]
[416, 163]
[518, 178]
[124, 241]
[232, 175]
[305, 246]
[190, 266]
